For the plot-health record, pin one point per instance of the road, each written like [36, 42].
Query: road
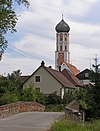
[30, 121]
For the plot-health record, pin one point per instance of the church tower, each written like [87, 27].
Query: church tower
[62, 54]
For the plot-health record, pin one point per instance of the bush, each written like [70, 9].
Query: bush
[55, 108]
[53, 99]
[7, 98]
[68, 125]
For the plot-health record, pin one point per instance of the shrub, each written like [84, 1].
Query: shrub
[69, 125]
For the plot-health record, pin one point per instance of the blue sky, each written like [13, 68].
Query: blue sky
[35, 37]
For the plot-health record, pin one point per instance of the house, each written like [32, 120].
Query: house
[47, 80]
[84, 77]
[72, 78]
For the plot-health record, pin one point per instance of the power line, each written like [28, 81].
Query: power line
[24, 54]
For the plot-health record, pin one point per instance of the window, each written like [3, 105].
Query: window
[65, 47]
[61, 37]
[65, 37]
[61, 48]
[37, 89]
[37, 78]
[57, 47]
[87, 75]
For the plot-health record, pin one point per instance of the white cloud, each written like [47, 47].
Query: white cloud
[82, 56]
[37, 35]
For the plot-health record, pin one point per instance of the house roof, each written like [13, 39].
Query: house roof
[85, 74]
[56, 74]
[60, 77]
[73, 68]
[71, 77]
[24, 78]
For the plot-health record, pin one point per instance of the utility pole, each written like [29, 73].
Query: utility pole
[96, 68]
[96, 64]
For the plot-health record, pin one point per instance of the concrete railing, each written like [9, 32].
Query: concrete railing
[18, 107]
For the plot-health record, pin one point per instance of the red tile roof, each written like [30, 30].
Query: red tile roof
[73, 69]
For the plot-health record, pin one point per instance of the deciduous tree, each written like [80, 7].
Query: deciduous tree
[8, 19]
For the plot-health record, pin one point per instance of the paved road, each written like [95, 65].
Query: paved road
[30, 121]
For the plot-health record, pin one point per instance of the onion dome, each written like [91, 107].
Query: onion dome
[62, 26]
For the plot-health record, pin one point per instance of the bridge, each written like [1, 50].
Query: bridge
[29, 121]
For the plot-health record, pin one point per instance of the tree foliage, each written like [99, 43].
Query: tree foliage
[28, 94]
[89, 97]
[10, 88]
[8, 19]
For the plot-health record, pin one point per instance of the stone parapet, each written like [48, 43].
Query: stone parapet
[18, 107]
[72, 111]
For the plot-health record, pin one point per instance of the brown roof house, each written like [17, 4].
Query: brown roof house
[47, 80]
[72, 78]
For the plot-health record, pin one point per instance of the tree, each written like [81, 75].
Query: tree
[68, 97]
[89, 97]
[15, 84]
[29, 94]
[10, 88]
[8, 19]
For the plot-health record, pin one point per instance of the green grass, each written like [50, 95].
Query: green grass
[69, 125]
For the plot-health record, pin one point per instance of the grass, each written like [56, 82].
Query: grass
[69, 125]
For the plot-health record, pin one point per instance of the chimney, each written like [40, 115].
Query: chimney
[50, 67]
[42, 63]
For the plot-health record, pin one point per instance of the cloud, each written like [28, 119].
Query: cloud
[35, 39]
[85, 34]
[83, 56]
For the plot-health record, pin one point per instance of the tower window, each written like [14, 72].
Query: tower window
[61, 48]
[37, 78]
[65, 37]
[57, 47]
[65, 47]
[61, 37]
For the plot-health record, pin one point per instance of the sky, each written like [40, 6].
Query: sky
[35, 40]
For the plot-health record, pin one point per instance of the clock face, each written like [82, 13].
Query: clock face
[60, 59]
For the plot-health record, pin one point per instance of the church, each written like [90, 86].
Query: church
[63, 77]
[62, 53]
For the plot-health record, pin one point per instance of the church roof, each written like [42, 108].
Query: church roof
[73, 69]
[62, 26]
